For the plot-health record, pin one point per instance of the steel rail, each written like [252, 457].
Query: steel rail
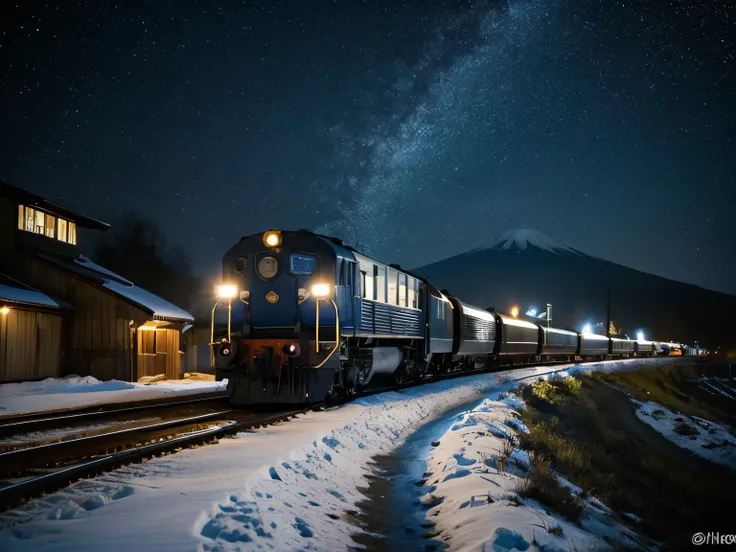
[25, 423]
[17, 493]
[35, 455]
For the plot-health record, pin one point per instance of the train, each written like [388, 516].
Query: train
[311, 319]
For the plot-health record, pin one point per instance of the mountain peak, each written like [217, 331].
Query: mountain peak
[525, 237]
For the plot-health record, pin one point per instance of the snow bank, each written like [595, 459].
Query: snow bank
[476, 505]
[82, 391]
[284, 487]
[709, 440]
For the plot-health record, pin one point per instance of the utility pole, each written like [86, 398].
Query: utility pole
[608, 313]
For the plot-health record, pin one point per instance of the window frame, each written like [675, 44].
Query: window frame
[302, 254]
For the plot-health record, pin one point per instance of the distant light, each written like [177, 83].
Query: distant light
[531, 312]
[587, 329]
[514, 311]
[227, 291]
[640, 335]
[4, 310]
[321, 291]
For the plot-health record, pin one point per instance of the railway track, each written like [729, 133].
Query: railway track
[52, 419]
[44, 467]
[32, 470]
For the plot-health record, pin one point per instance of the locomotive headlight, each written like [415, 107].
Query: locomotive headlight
[227, 291]
[321, 291]
[272, 238]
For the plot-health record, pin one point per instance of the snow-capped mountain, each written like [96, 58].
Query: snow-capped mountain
[528, 269]
[525, 237]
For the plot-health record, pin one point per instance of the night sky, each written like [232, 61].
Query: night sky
[419, 130]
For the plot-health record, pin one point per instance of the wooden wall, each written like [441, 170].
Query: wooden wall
[98, 331]
[30, 345]
[158, 353]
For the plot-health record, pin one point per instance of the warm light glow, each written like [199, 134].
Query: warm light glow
[320, 291]
[272, 238]
[227, 291]
[4, 310]
[514, 311]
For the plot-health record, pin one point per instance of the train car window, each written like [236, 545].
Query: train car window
[402, 290]
[349, 273]
[240, 265]
[298, 264]
[380, 272]
[392, 285]
[369, 287]
[362, 283]
[411, 293]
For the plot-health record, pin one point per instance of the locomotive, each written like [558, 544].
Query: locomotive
[310, 318]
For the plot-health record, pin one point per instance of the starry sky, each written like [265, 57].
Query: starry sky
[417, 130]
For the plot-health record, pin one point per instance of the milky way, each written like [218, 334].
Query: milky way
[416, 130]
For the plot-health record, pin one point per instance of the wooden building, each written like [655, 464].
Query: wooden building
[30, 332]
[111, 329]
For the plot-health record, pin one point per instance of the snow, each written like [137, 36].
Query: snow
[284, 487]
[73, 392]
[476, 504]
[524, 237]
[28, 295]
[117, 284]
[707, 439]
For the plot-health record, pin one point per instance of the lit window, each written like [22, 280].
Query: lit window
[39, 223]
[301, 264]
[392, 286]
[368, 287]
[402, 290]
[30, 217]
[380, 273]
[50, 226]
[411, 293]
[61, 234]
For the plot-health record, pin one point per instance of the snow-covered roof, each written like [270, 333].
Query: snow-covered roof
[12, 291]
[160, 308]
[525, 237]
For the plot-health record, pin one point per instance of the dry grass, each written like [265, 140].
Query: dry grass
[588, 432]
[541, 484]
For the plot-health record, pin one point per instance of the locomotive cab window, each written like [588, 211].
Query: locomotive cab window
[240, 265]
[301, 264]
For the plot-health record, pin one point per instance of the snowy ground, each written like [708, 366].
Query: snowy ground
[710, 440]
[284, 487]
[477, 505]
[77, 392]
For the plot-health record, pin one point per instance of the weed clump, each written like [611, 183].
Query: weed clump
[541, 484]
